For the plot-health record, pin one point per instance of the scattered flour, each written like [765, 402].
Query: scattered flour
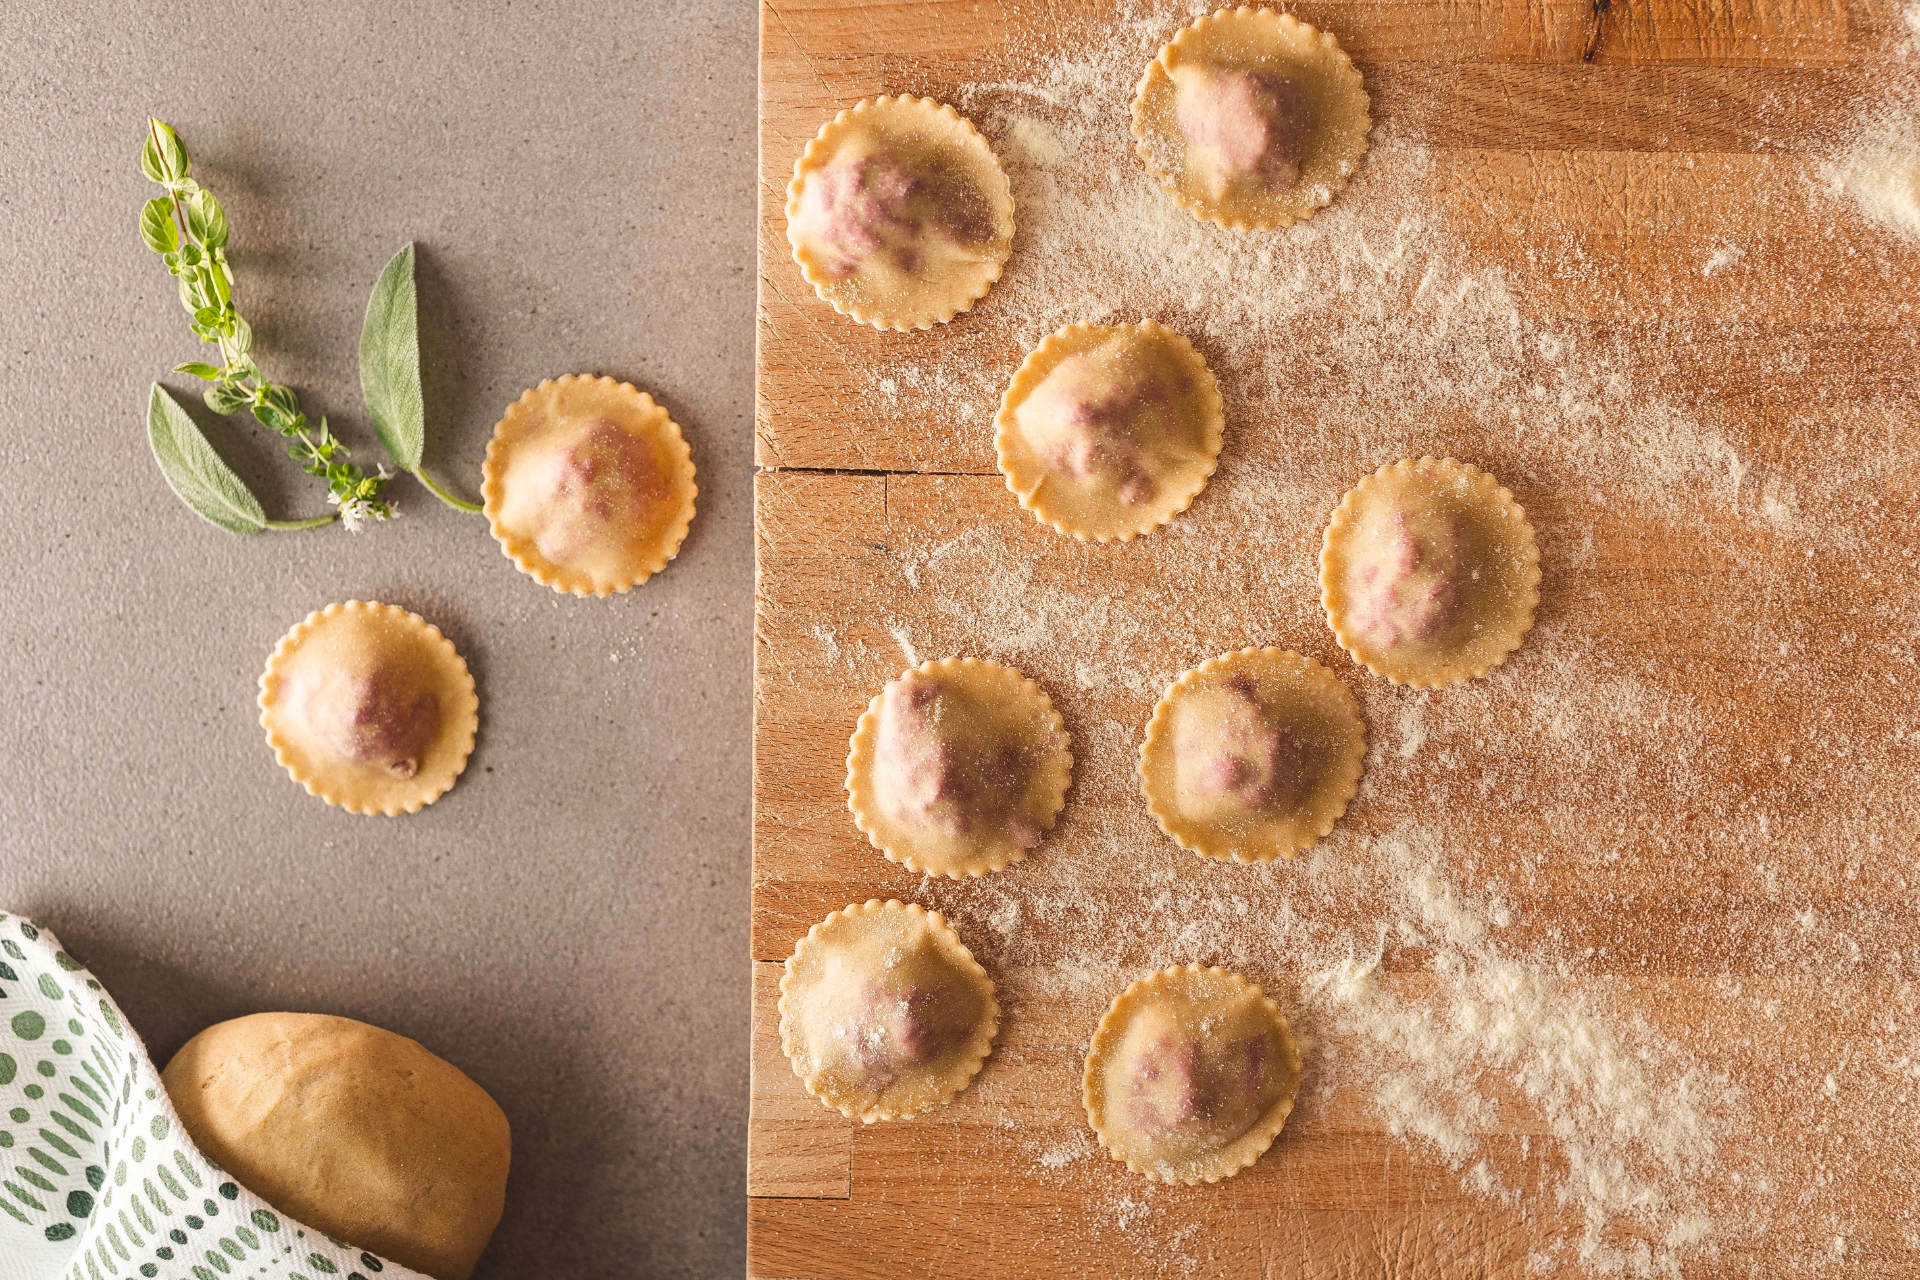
[1413, 730]
[1880, 168]
[1633, 1147]
[1723, 257]
[829, 643]
[1462, 957]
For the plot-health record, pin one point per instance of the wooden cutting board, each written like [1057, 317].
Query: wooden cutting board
[1688, 803]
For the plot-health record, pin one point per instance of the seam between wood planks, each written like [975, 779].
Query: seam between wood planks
[863, 471]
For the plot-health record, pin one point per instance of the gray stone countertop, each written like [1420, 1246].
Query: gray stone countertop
[568, 925]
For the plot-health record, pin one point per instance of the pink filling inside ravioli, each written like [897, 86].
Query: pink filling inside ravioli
[379, 718]
[1232, 753]
[1245, 125]
[606, 479]
[1094, 417]
[1179, 1084]
[942, 767]
[1407, 584]
[889, 1031]
[879, 206]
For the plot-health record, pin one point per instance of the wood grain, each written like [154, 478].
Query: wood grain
[1693, 785]
[796, 1147]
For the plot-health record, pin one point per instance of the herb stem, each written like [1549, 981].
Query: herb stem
[314, 523]
[437, 491]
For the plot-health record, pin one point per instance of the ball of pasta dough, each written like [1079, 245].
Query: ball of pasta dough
[355, 1131]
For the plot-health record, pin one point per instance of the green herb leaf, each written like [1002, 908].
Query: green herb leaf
[190, 230]
[283, 399]
[195, 472]
[390, 363]
[150, 162]
[164, 157]
[214, 217]
[269, 416]
[156, 226]
[224, 399]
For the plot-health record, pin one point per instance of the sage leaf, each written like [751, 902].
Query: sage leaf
[195, 472]
[390, 363]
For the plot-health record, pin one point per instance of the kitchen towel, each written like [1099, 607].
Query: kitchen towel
[98, 1180]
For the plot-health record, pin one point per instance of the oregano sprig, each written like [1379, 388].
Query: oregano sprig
[188, 229]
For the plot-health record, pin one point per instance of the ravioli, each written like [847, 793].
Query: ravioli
[1429, 572]
[1251, 119]
[1109, 431]
[369, 707]
[899, 214]
[884, 1013]
[958, 768]
[588, 485]
[1191, 1075]
[1252, 756]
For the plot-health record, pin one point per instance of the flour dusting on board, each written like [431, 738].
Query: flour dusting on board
[1441, 986]
[1880, 168]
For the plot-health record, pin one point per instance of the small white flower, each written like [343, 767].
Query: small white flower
[357, 512]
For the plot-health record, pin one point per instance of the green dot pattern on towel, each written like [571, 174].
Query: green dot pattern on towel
[29, 1025]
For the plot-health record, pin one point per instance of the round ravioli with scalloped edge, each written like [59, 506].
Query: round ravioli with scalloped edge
[958, 767]
[588, 485]
[1429, 572]
[899, 214]
[1252, 755]
[369, 707]
[884, 1013]
[1191, 1075]
[1251, 119]
[1109, 431]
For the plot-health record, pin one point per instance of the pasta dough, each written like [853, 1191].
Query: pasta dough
[898, 213]
[369, 707]
[1252, 756]
[1251, 119]
[958, 767]
[588, 485]
[1191, 1075]
[884, 1013]
[353, 1130]
[1429, 572]
[1109, 431]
